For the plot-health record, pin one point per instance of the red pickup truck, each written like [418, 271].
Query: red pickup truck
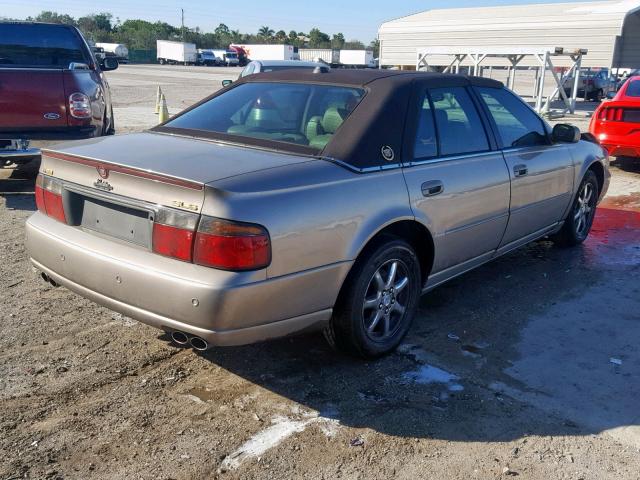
[51, 88]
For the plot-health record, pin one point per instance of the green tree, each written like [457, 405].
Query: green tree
[281, 36]
[53, 17]
[337, 41]
[353, 45]
[375, 46]
[265, 32]
[221, 30]
[318, 39]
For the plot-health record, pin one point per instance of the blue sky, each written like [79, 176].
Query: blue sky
[357, 19]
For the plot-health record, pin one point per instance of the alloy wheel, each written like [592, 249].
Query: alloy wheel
[584, 210]
[385, 300]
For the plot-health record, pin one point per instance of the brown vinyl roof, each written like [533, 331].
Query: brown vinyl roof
[362, 77]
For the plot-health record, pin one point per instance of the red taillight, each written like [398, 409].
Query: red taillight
[48, 193]
[231, 245]
[611, 114]
[79, 105]
[172, 241]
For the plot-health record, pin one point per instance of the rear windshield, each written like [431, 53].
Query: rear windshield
[633, 90]
[293, 113]
[39, 46]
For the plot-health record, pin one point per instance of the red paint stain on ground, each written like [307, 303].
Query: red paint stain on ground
[615, 234]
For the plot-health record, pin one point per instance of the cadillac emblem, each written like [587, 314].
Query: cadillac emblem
[103, 171]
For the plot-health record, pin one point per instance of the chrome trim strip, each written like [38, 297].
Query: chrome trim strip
[350, 167]
[451, 158]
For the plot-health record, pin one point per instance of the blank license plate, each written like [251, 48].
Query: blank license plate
[117, 221]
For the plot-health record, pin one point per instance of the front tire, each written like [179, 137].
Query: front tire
[378, 300]
[579, 220]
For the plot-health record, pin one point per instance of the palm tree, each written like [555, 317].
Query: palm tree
[265, 32]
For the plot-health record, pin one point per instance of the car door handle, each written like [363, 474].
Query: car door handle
[520, 170]
[431, 188]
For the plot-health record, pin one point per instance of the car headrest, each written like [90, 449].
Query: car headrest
[314, 127]
[333, 118]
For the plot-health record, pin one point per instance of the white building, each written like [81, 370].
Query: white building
[609, 30]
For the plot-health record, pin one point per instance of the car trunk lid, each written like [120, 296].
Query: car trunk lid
[119, 186]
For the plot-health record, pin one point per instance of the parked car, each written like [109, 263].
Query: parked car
[52, 87]
[227, 57]
[304, 199]
[257, 66]
[593, 85]
[616, 124]
[208, 58]
[262, 66]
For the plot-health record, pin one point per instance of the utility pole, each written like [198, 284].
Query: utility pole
[182, 11]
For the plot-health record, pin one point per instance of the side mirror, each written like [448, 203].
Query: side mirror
[565, 133]
[226, 83]
[611, 95]
[109, 63]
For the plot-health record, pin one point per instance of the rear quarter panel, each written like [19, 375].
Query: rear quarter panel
[92, 84]
[317, 213]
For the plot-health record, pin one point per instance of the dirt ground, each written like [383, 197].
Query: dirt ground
[528, 367]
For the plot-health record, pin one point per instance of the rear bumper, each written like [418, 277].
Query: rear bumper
[66, 133]
[224, 308]
[8, 156]
[618, 150]
[621, 145]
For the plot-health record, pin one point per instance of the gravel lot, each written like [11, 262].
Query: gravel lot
[527, 367]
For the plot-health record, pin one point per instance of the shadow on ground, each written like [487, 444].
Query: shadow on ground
[543, 327]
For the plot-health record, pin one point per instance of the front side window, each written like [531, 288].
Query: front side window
[39, 46]
[301, 114]
[458, 123]
[518, 125]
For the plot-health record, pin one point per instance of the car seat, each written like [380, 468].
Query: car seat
[320, 129]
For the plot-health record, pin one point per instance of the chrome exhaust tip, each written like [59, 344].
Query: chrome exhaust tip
[198, 343]
[180, 338]
[49, 280]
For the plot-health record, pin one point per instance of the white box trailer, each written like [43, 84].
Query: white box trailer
[357, 58]
[269, 52]
[327, 55]
[176, 52]
[118, 50]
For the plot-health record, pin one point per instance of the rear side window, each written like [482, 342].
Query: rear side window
[518, 125]
[459, 127]
[39, 46]
[300, 114]
[633, 90]
[426, 142]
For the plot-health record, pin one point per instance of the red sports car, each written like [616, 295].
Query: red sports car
[616, 124]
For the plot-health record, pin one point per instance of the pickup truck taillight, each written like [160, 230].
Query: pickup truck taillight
[79, 105]
[49, 197]
[231, 245]
[216, 243]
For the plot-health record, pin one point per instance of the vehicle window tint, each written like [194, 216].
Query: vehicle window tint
[518, 125]
[633, 90]
[425, 145]
[39, 46]
[460, 129]
[283, 112]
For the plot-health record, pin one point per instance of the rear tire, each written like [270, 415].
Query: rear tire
[579, 220]
[378, 300]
